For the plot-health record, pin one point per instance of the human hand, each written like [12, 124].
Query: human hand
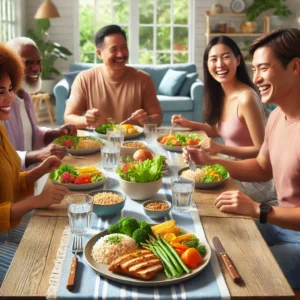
[140, 116]
[52, 149]
[238, 203]
[199, 156]
[210, 146]
[179, 120]
[51, 195]
[92, 118]
[67, 129]
[50, 164]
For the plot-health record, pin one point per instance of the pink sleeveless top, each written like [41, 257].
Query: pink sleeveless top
[234, 132]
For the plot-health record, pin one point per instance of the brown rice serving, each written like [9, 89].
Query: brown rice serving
[197, 175]
[112, 246]
[107, 198]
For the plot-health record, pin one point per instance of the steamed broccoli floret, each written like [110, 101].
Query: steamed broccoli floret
[120, 222]
[115, 228]
[144, 225]
[129, 226]
[140, 236]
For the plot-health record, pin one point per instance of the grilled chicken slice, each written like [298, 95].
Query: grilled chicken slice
[138, 263]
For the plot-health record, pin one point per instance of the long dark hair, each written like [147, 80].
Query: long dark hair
[213, 91]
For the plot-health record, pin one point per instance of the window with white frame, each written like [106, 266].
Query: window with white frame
[158, 31]
[8, 23]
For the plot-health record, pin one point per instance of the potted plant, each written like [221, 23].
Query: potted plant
[260, 6]
[50, 52]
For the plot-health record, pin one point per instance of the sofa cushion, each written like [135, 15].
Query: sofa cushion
[70, 77]
[171, 82]
[175, 103]
[187, 83]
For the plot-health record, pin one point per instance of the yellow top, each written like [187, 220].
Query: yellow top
[13, 185]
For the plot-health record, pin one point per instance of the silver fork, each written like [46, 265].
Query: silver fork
[77, 247]
[172, 129]
[192, 164]
[76, 157]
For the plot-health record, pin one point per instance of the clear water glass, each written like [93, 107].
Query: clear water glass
[150, 131]
[182, 193]
[110, 156]
[80, 207]
[115, 135]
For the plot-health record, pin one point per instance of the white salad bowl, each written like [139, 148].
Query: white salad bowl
[140, 191]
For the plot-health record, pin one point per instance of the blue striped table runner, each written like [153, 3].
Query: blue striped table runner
[208, 284]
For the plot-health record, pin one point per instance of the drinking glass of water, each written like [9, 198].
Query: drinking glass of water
[110, 156]
[80, 207]
[150, 131]
[115, 135]
[182, 193]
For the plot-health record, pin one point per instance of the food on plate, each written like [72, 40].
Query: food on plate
[107, 198]
[112, 246]
[145, 171]
[133, 144]
[191, 258]
[102, 129]
[138, 263]
[142, 154]
[78, 142]
[129, 129]
[67, 174]
[208, 173]
[180, 139]
[166, 227]
[139, 231]
[157, 205]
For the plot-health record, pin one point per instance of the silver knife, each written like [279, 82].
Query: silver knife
[226, 260]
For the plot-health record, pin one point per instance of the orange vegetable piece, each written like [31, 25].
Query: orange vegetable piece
[192, 258]
[179, 251]
[179, 246]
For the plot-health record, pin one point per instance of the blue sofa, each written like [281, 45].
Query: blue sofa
[189, 106]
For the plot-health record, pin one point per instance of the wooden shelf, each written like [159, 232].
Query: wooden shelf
[208, 34]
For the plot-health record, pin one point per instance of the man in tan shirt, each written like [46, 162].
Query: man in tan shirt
[112, 89]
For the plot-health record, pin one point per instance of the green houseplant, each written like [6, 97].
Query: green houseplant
[260, 6]
[49, 50]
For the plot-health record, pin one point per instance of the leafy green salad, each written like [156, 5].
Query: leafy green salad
[146, 171]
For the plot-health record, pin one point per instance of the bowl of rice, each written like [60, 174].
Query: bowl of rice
[107, 203]
[205, 178]
[112, 246]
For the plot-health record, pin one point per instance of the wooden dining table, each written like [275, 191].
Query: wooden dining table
[29, 273]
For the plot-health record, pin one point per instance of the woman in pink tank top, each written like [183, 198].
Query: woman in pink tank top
[232, 108]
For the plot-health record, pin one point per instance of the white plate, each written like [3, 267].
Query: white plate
[130, 136]
[205, 185]
[169, 148]
[81, 187]
[86, 151]
[160, 278]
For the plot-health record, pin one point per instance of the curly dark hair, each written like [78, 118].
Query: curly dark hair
[11, 63]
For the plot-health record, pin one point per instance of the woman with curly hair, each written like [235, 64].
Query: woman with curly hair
[232, 109]
[16, 187]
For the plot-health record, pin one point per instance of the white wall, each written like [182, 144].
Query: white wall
[64, 30]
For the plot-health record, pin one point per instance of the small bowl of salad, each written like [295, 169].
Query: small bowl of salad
[175, 142]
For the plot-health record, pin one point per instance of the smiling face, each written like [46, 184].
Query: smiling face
[222, 63]
[273, 80]
[33, 68]
[6, 96]
[114, 52]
